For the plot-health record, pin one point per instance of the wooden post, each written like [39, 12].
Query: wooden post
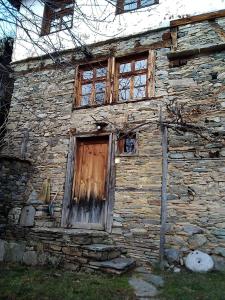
[164, 131]
[68, 181]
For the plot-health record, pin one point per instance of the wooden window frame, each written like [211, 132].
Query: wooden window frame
[49, 15]
[121, 3]
[120, 143]
[131, 74]
[79, 81]
[112, 79]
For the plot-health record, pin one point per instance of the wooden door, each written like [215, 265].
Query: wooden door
[89, 194]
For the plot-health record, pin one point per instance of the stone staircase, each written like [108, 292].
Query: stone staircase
[76, 249]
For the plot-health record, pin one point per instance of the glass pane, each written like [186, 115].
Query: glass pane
[84, 100]
[125, 68]
[141, 64]
[139, 92]
[140, 80]
[67, 18]
[147, 2]
[99, 98]
[130, 4]
[124, 95]
[66, 24]
[100, 87]
[88, 74]
[101, 72]
[86, 89]
[55, 25]
[124, 83]
[129, 145]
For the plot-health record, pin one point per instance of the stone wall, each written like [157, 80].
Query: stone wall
[42, 106]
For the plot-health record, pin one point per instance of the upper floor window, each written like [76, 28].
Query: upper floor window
[131, 75]
[124, 79]
[91, 87]
[129, 5]
[58, 15]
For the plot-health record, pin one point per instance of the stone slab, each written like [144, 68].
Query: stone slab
[157, 280]
[142, 288]
[14, 252]
[30, 258]
[27, 216]
[116, 263]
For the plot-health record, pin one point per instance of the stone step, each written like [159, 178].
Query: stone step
[71, 236]
[118, 265]
[101, 252]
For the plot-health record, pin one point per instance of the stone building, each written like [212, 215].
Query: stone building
[81, 168]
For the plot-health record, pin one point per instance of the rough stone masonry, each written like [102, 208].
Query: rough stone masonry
[42, 114]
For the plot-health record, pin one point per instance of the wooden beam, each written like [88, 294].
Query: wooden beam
[68, 181]
[111, 183]
[164, 132]
[195, 51]
[198, 18]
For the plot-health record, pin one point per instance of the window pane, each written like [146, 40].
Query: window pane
[141, 64]
[140, 80]
[139, 92]
[147, 2]
[129, 145]
[101, 72]
[125, 68]
[124, 95]
[99, 98]
[86, 89]
[55, 25]
[100, 87]
[84, 100]
[124, 83]
[88, 74]
[130, 4]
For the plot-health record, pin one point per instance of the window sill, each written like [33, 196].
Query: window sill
[127, 155]
[116, 103]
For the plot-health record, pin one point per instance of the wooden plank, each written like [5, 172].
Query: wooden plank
[77, 88]
[89, 201]
[198, 18]
[164, 132]
[151, 74]
[196, 51]
[68, 182]
[111, 182]
[174, 38]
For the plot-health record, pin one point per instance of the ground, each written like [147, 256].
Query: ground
[20, 282]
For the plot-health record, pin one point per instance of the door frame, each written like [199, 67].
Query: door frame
[110, 188]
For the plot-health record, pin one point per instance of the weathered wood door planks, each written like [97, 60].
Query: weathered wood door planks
[89, 192]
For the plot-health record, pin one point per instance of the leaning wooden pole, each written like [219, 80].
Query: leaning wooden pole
[164, 134]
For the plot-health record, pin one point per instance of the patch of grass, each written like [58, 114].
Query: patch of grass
[23, 283]
[194, 286]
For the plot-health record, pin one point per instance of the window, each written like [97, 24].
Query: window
[132, 78]
[92, 82]
[129, 5]
[114, 80]
[127, 144]
[58, 15]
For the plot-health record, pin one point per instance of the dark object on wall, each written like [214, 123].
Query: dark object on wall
[6, 82]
